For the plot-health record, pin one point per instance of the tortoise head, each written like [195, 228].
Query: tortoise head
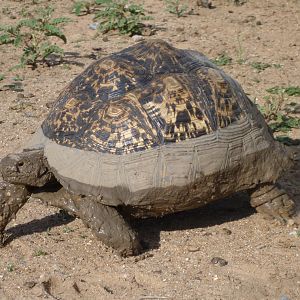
[28, 168]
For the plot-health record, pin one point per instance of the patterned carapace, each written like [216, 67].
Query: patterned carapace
[147, 95]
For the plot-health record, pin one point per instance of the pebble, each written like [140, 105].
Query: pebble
[226, 231]
[193, 249]
[219, 261]
[105, 39]
[295, 232]
[93, 26]
[137, 38]
[284, 298]
[30, 284]
[147, 31]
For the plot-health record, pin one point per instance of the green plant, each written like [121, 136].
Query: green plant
[175, 7]
[260, 66]
[289, 91]
[10, 267]
[67, 229]
[40, 252]
[120, 15]
[277, 117]
[2, 76]
[222, 60]
[84, 7]
[33, 35]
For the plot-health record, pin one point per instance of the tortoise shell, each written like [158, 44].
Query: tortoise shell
[148, 95]
[157, 129]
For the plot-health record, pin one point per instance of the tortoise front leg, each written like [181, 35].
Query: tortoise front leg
[21, 172]
[12, 198]
[105, 221]
[273, 202]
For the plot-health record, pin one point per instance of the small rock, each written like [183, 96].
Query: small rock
[137, 38]
[258, 23]
[76, 288]
[284, 298]
[143, 256]
[108, 290]
[29, 284]
[219, 261]
[49, 104]
[290, 222]
[181, 38]
[295, 232]
[93, 26]
[20, 96]
[249, 19]
[206, 233]
[193, 249]
[147, 31]
[105, 39]
[226, 231]
[180, 29]
[204, 3]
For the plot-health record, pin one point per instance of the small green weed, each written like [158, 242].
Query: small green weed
[18, 78]
[120, 15]
[81, 8]
[32, 34]
[2, 77]
[289, 91]
[10, 267]
[277, 116]
[222, 60]
[40, 252]
[260, 66]
[175, 7]
[67, 229]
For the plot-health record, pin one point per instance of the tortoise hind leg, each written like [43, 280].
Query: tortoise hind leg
[105, 221]
[273, 202]
[12, 198]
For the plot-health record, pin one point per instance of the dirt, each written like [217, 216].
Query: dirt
[222, 251]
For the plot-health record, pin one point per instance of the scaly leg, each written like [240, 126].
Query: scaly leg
[105, 221]
[273, 202]
[12, 198]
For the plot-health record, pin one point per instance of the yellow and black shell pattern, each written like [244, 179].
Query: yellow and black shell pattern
[142, 97]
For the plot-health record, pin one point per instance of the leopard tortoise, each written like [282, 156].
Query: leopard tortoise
[147, 131]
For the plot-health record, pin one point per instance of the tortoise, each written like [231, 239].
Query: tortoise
[144, 132]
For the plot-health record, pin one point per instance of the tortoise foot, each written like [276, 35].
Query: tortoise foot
[109, 226]
[106, 222]
[274, 203]
[12, 198]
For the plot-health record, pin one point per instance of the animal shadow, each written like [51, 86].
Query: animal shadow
[219, 212]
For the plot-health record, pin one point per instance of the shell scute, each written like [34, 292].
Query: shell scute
[147, 95]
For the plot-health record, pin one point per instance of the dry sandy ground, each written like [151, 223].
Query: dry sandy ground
[52, 256]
